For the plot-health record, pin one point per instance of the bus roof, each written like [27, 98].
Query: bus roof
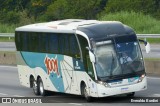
[61, 25]
[92, 28]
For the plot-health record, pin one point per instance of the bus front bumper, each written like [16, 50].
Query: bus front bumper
[110, 91]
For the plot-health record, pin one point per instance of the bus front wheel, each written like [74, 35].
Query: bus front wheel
[131, 94]
[85, 93]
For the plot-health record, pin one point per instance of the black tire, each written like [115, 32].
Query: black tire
[85, 93]
[42, 91]
[131, 94]
[35, 88]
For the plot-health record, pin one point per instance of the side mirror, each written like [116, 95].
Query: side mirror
[91, 55]
[147, 47]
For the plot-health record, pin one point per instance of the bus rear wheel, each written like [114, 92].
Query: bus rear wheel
[42, 91]
[35, 88]
[85, 94]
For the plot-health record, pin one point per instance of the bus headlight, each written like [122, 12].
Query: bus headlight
[103, 83]
[141, 78]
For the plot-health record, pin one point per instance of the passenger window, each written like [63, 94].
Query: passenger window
[18, 41]
[74, 48]
[35, 42]
[53, 43]
[24, 42]
[43, 42]
[63, 44]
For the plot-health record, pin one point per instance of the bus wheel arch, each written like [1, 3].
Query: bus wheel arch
[84, 93]
[31, 80]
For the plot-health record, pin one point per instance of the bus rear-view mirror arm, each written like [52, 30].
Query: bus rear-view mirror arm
[147, 45]
[91, 55]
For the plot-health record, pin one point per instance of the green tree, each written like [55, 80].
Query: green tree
[62, 9]
[10, 10]
[151, 7]
[38, 8]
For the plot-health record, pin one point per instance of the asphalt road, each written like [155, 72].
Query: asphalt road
[10, 87]
[155, 49]
[154, 53]
[7, 46]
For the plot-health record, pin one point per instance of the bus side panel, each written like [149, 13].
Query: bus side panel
[82, 76]
[91, 85]
[24, 73]
[68, 74]
[47, 67]
[66, 79]
[45, 78]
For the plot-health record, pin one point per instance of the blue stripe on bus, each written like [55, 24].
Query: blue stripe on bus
[34, 60]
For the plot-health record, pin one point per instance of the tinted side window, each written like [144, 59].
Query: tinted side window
[21, 41]
[61, 43]
[17, 41]
[53, 43]
[24, 41]
[64, 44]
[33, 42]
[43, 42]
[67, 47]
[74, 48]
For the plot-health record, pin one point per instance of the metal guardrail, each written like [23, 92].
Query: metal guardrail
[148, 35]
[139, 35]
[6, 34]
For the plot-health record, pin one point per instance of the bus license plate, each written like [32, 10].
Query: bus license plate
[124, 89]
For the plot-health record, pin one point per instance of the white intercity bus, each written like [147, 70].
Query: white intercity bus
[82, 57]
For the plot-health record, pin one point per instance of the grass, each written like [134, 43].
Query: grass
[7, 52]
[7, 28]
[152, 59]
[152, 40]
[6, 39]
[142, 24]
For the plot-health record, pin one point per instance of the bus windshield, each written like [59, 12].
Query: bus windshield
[117, 58]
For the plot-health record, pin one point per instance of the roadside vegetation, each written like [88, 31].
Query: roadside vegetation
[142, 16]
[7, 28]
[6, 39]
[142, 24]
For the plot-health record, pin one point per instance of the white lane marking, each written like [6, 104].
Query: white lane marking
[57, 101]
[75, 104]
[11, 95]
[156, 95]
[8, 66]
[153, 77]
[18, 96]
[3, 94]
